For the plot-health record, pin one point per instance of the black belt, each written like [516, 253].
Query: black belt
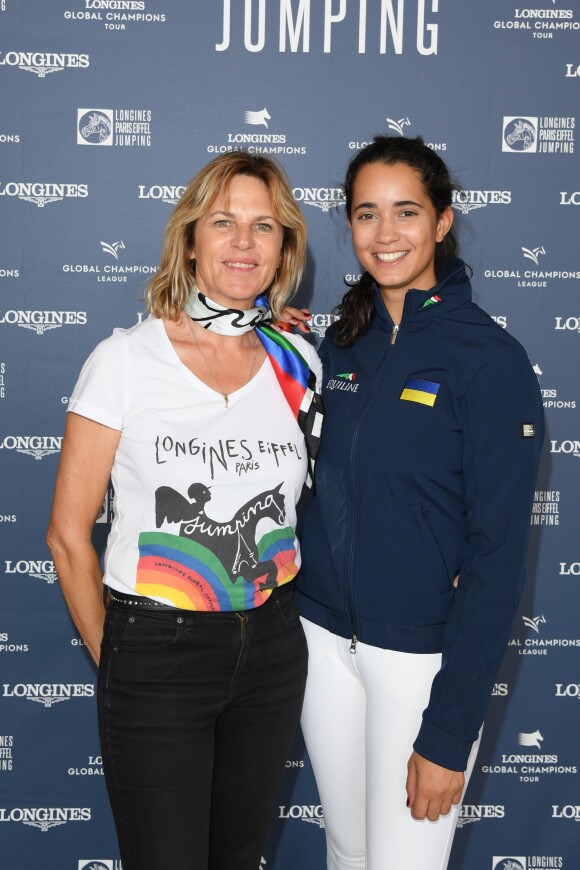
[141, 602]
[149, 604]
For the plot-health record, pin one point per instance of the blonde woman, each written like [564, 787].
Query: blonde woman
[207, 421]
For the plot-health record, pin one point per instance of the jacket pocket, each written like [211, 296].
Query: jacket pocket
[422, 515]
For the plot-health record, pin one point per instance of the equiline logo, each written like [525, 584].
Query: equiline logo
[345, 381]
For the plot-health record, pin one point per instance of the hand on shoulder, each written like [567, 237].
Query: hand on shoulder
[295, 317]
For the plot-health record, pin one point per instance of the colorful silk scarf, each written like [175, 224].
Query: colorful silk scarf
[296, 379]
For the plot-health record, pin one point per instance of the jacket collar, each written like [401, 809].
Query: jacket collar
[421, 306]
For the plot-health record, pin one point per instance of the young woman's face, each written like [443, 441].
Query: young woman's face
[395, 227]
[238, 244]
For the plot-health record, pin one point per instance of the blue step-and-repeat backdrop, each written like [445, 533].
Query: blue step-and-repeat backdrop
[107, 109]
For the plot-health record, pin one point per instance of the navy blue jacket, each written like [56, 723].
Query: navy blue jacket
[426, 470]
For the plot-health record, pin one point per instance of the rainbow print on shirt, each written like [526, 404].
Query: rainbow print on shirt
[215, 566]
[191, 577]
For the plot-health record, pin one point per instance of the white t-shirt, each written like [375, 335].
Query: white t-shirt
[205, 496]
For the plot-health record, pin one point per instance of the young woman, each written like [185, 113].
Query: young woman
[414, 546]
[207, 420]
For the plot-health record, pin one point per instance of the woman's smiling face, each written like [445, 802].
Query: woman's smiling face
[395, 227]
[237, 244]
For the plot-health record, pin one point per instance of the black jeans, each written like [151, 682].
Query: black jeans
[196, 716]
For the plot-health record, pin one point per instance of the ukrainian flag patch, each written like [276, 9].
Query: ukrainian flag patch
[421, 391]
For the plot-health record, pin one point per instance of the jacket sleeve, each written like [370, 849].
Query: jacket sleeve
[502, 435]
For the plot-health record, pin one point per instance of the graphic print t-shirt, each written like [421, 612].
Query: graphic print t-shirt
[205, 496]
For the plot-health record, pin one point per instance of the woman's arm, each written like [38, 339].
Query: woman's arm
[502, 417]
[85, 466]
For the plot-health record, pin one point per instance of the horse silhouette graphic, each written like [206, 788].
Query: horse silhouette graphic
[532, 739]
[533, 253]
[234, 542]
[260, 118]
[399, 125]
[113, 249]
[534, 623]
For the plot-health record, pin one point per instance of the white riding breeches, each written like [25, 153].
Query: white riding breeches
[361, 715]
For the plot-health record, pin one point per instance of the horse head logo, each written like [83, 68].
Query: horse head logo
[522, 136]
[98, 129]
[532, 739]
[257, 119]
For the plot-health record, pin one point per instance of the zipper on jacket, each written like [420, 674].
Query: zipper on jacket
[349, 589]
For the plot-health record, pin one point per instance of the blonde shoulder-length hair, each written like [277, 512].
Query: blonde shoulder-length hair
[171, 287]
